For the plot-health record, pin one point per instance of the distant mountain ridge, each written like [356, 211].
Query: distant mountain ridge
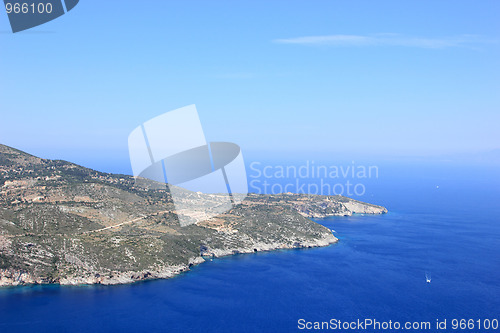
[67, 224]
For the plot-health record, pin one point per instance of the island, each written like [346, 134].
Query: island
[66, 224]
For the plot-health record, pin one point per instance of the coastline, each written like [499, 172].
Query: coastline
[61, 223]
[16, 278]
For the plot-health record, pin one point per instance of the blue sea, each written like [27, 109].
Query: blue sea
[443, 221]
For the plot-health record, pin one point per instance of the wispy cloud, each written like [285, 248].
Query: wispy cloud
[387, 39]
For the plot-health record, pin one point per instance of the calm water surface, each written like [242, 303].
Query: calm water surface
[377, 270]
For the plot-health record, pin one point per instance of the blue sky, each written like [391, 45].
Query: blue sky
[280, 78]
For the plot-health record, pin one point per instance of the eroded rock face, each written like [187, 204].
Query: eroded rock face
[324, 206]
[62, 223]
[363, 208]
[13, 277]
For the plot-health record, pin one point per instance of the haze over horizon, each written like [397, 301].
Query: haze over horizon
[385, 79]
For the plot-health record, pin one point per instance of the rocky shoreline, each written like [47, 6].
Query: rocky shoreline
[11, 278]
